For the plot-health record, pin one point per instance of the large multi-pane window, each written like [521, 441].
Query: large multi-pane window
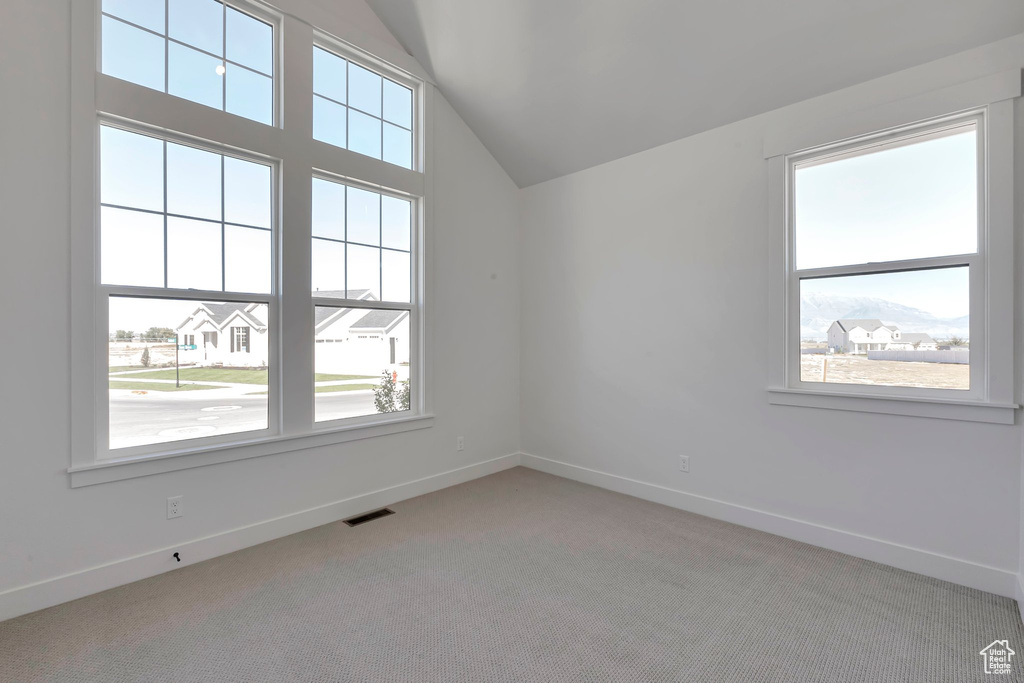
[231, 290]
[202, 50]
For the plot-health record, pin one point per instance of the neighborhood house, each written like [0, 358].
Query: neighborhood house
[859, 336]
[348, 340]
[231, 334]
[361, 341]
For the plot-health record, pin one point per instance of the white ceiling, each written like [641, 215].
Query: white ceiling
[556, 86]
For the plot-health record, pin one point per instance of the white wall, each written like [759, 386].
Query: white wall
[47, 529]
[676, 237]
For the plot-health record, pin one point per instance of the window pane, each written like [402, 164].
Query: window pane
[363, 216]
[199, 23]
[396, 219]
[132, 248]
[247, 265]
[397, 146]
[397, 104]
[131, 169]
[250, 41]
[193, 182]
[364, 134]
[361, 362]
[329, 122]
[247, 192]
[133, 54]
[364, 89]
[913, 200]
[329, 268]
[363, 271]
[249, 94]
[147, 13]
[161, 393]
[394, 276]
[909, 329]
[329, 75]
[328, 209]
[193, 75]
[193, 254]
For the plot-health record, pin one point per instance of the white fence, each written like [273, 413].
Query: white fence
[958, 356]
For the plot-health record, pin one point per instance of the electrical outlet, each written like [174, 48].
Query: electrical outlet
[460, 443]
[684, 463]
[175, 507]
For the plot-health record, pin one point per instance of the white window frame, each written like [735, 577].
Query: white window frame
[297, 158]
[992, 395]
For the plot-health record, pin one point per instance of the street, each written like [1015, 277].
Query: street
[158, 417]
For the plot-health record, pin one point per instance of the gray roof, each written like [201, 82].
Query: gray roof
[322, 314]
[379, 320]
[869, 324]
[915, 337]
[220, 313]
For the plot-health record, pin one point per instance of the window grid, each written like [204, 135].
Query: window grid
[347, 106]
[346, 242]
[166, 37]
[166, 214]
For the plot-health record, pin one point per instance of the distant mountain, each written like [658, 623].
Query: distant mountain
[819, 311]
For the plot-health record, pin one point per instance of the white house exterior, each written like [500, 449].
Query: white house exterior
[361, 341]
[348, 340]
[229, 334]
[914, 341]
[860, 335]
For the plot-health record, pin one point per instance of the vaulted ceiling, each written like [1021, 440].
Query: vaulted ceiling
[556, 86]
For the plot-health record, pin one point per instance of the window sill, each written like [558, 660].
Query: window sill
[969, 411]
[141, 466]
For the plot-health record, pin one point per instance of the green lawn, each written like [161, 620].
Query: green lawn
[323, 390]
[343, 387]
[235, 375]
[158, 386]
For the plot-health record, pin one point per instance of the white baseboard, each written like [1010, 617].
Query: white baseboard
[963, 572]
[36, 596]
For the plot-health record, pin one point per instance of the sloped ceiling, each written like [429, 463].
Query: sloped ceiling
[556, 86]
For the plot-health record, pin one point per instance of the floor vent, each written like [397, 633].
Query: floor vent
[369, 517]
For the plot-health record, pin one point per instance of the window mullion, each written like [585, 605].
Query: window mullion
[295, 359]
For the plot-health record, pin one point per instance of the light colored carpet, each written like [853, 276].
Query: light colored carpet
[520, 576]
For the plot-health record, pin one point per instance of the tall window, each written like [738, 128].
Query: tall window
[179, 225]
[362, 286]
[232, 295]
